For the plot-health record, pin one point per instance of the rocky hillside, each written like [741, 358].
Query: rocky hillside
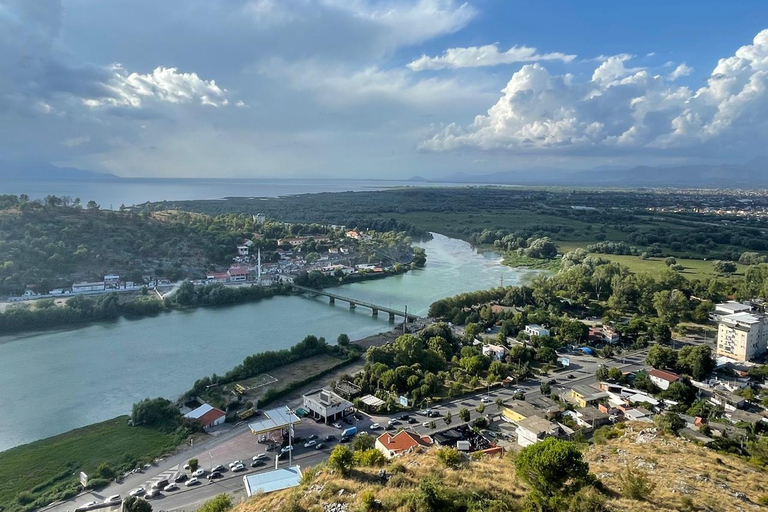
[661, 472]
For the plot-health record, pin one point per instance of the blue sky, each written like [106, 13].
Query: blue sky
[380, 88]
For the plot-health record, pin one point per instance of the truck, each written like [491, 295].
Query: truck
[349, 432]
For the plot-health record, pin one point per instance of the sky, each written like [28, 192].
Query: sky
[380, 88]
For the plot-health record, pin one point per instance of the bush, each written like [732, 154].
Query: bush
[636, 485]
[587, 499]
[220, 503]
[97, 483]
[603, 434]
[368, 499]
[25, 498]
[399, 480]
[193, 464]
[370, 458]
[451, 457]
[106, 471]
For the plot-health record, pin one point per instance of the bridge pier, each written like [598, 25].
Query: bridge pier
[331, 300]
[391, 317]
[352, 305]
[375, 311]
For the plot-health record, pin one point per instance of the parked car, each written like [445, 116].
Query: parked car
[160, 484]
[349, 421]
[374, 426]
[552, 382]
[411, 421]
[485, 400]
[192, 481]
[433, 414]
[186, 466]
[170, 487]
[330, 438]
[425, 424]
[404, 417]
[213, 475]
[261, 456]
[199, 472]
[319, 446]
[180, 478]
[392, 422]
[154, 492]
[137, 491]
[239, 467]
[571, 376]
[337, 425]
[258, 463]
[235, 463]
[345, 439]
[113, 500]
[358, 416]
[286, 449]
[310, 444]
[390, 428]
[312, 436]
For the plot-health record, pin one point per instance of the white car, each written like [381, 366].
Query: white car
[261, 456]
[485, 400]
[192, 481]
[239, 467]
[186, 466]
[236, 463]
[113, 500]
[374, 426]
[310, 444]
[425, 424]
[152, 493]
[286, 449]
[199, 472]
[137, 491]
[170, 487]
[337, 425]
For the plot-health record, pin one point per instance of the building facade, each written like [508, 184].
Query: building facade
[742, 336]
[325, 404]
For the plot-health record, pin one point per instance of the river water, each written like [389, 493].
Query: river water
[55, 381]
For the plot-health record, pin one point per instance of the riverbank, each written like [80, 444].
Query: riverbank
[36, 474]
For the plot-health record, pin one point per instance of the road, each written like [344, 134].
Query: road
[238, 442]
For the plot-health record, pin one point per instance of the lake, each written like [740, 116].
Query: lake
[55, 381]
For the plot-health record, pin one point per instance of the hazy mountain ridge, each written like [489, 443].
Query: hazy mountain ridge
[45, 171]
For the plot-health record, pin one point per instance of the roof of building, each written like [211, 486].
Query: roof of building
[591, 413]
[636, 414]
[537, 425]
[523, 408]
[733, 306]
[327, 397]
[372, 401]
[664, 375]
[403, 440]
[271, 481]
[588, 392]
[94, 283]
[742, 318]
[274, 419]
[205, 414]
[495, 348]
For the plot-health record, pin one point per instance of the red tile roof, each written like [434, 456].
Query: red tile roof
[664, 375]
[403, 441]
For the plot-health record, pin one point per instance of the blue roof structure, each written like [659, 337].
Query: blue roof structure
[272, 481]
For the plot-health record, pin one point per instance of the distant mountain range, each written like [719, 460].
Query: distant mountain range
[751, 175]
[46, 171]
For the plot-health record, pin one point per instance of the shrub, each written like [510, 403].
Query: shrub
[451, 457]
[193, 464]
[370, 457]
[368, 499]
[587, 499]
[603, 434]
[25, 498]
[635, 484]
[106, 471]
[97, 483]
[399, 480]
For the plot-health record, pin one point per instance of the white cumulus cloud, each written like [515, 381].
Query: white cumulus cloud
[681, 70]
[622, 108]
[488, 55]
[163, 84]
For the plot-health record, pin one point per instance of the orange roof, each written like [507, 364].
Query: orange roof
[661, 374]
[403, 441]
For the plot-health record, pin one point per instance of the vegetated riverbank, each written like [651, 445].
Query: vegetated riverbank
[38, 473]
[85, 309]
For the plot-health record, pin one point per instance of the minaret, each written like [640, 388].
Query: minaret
[258, 271]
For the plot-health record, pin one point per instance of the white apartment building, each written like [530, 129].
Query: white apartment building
[742, 336]
[536, 330]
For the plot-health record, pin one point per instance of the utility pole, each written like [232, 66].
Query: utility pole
[258, 271]
[405, 320]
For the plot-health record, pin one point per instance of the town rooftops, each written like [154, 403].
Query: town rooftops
[403, 441]
[664, 375]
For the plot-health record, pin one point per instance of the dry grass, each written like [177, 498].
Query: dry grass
[684, 477]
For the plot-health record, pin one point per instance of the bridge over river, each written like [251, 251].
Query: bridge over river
[353, 303]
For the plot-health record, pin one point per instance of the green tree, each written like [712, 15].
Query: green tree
[480, 408]
[553, 468]
[696, 361]
[671, 305]
[193, 464]
[342, 460]
[601, 373]
[450, 457]
[135, 504]
[670, 422]
[155, 412]
[724, 267]
[363, 442]
[342, 340]
[661, 357]
[448, 418]
[221, 503]
[464, 414]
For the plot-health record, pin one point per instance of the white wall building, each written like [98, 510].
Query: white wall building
[532, 430]
[495, 352]
[87, 287]
[326, 404]
[742, 336]
[536, 330]
[731, 307]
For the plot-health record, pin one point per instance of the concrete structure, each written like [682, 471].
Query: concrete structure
[353, 303]
[274, 419]
[639, 414]
[326, 404]
[87, 287]
[495, 352]
[742, 336]
[532, 430]
[238, 273]
[207, 415]
[663, 378]
[731, 307]
[242, 250]
[392, 445]
[591, 417]
[112, 281]
[272, 481]
[586, 395]
[536, 330]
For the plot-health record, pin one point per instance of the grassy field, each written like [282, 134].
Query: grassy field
[48, 467]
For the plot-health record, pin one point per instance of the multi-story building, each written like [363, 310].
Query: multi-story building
[742, 336]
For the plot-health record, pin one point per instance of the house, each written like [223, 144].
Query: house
[207, 416]
[609, 334]
[515, 411]
[729, 401]
[325, 404]
[584, 396]
[663, 378]
[87, 287]
[238, 273]
[536, 330]
[392, 445]
[534, 429]
[354, 235]
[219, 277]
[742, 336]
[260, 218]
[242, 250]
[495, 352]
[112, 281]
[639, 414]
[591, 417]
[293, 242]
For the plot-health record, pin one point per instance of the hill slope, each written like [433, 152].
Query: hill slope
[685, 477]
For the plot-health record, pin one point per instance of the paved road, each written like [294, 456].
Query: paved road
[239, 443]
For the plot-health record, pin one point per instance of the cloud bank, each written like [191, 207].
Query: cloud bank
[481, 56]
